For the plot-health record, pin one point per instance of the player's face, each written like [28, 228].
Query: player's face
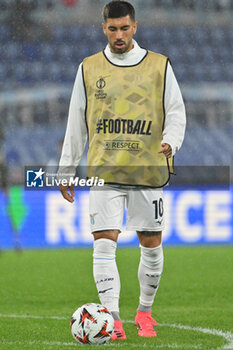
[119, 32]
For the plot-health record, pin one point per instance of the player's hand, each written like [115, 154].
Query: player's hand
[166, 150]
[65, 192]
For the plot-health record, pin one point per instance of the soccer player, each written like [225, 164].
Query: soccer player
[127, 101]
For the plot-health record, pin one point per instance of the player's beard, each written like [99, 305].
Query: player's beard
[118, 50]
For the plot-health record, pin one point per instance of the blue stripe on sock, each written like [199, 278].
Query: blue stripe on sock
[104, 258]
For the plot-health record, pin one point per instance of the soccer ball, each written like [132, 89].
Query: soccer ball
[92, 324]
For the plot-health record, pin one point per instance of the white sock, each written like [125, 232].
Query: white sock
[149, 274]
[106, 273]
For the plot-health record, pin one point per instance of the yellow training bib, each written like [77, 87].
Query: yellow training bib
[125, 120]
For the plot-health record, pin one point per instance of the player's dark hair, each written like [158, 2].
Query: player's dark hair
[117, 9]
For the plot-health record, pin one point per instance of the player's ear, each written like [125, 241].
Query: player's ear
[104, 28]
[135, 26]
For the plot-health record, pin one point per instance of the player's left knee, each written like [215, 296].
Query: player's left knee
[150, 239]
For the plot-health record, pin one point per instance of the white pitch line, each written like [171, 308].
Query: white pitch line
[57, 343]
[228, 336]
[34, 317]
[49, 343]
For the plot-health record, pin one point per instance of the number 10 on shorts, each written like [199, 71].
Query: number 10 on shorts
[158, 208]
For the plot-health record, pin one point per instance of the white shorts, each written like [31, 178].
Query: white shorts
[144, 209]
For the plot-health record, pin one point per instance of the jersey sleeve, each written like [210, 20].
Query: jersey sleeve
[76, 130]
[175, 116]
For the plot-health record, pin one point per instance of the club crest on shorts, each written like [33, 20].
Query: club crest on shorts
[92, 220]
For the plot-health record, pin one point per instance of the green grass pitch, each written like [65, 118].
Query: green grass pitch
[39, 291]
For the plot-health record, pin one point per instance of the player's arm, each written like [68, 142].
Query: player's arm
[175, 116]
[75, 137]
